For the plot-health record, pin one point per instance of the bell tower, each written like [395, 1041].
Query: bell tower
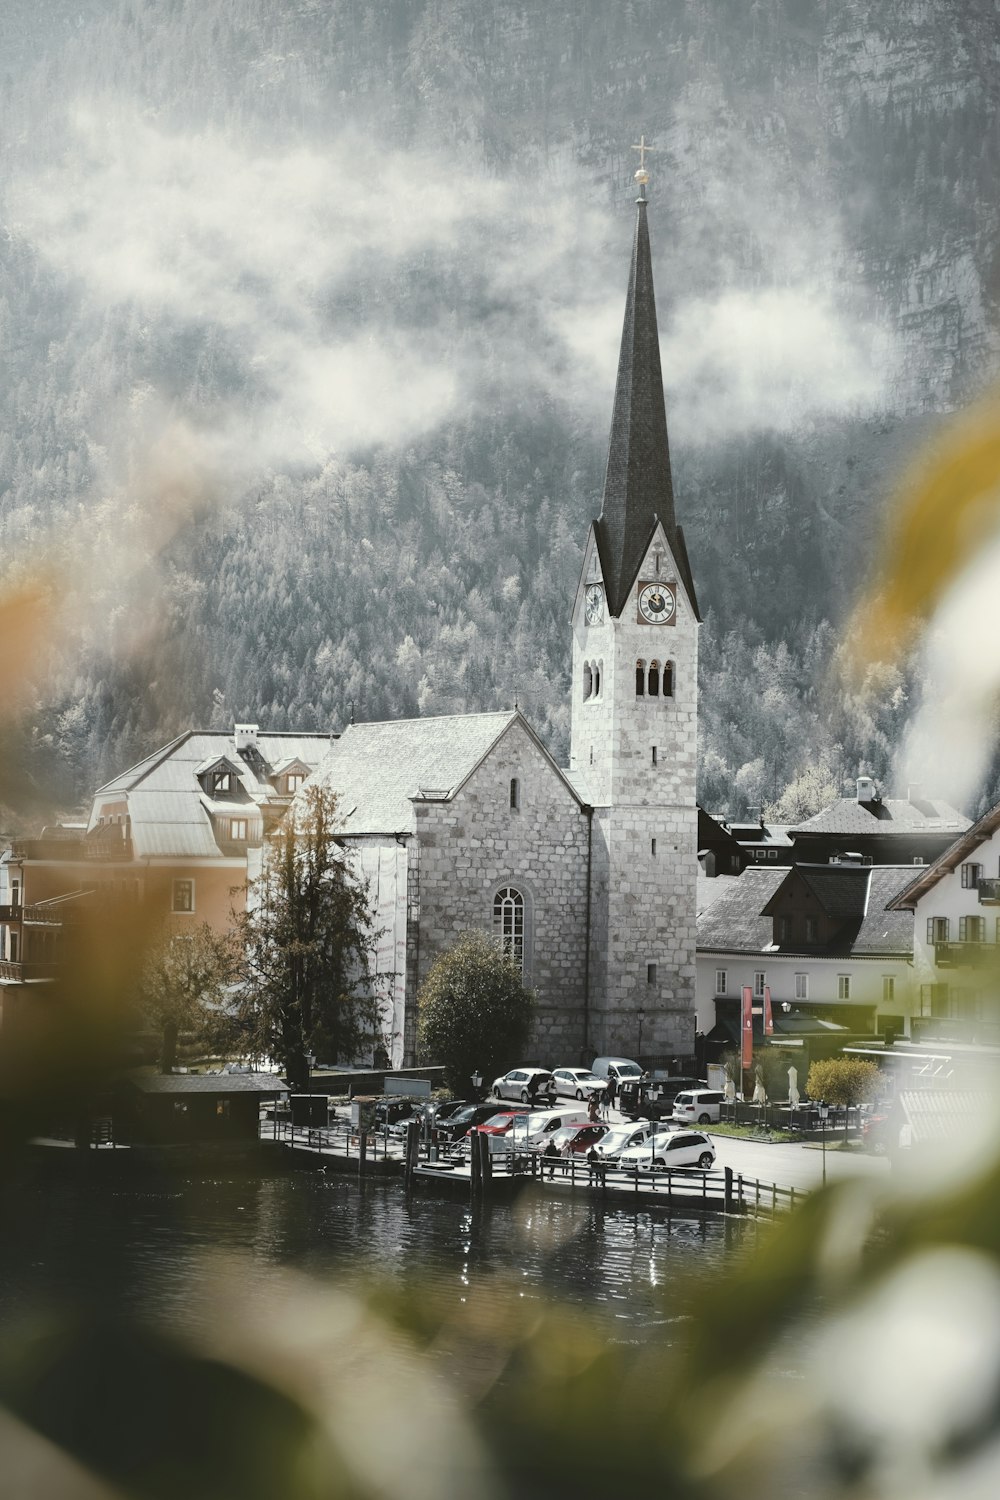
[634, 711]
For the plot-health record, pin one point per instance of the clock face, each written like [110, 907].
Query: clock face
[595, 604]
[657, 603]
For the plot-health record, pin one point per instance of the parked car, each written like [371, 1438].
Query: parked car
[621, 1069]
[670, 1149]
[389, 1112]
[664, 1088]
[445, 1109]
[525, 1084]
[620, 1137]
[462, 1121]
[503, 1121]
[575, 1140]
[702, 1105]
[544, 1122]
[577, 1083]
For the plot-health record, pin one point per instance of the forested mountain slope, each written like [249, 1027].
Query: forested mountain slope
[309, 313]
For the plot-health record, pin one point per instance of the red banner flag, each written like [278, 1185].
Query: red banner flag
[768, 1018]
[746, 1050]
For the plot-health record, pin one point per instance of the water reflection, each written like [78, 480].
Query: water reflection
[132, 1244]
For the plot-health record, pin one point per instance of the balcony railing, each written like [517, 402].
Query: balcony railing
[9, 913]
[989, 893]
[965, 955]
[21, 973]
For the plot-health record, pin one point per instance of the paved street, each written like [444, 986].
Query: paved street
[792, 1165]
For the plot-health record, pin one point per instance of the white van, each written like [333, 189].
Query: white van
[542, 1123]
[621, 1069]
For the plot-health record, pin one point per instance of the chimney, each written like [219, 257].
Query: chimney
[915, 791]
[245, 736]
[866, 789]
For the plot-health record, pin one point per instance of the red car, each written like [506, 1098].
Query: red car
[502, 1122]
[575, 1140]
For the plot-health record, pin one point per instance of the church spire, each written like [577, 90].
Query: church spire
[638, 489]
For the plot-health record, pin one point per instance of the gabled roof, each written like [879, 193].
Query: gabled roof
[377, 770]
[945, 864]
[840, 891]
[885, 816]
[169, 812]
[739, 921]
[638, 489]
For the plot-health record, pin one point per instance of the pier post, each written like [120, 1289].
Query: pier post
[475, 1163]
[728, 1205]
[362, 1152]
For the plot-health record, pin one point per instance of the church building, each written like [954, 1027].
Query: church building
[586, 874]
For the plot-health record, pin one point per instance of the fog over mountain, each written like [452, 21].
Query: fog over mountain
[310, 313]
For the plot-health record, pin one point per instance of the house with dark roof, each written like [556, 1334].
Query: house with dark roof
[820, 940]
[955, 905]
[911, 830]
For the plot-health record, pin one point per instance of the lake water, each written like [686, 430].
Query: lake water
[138, 1242]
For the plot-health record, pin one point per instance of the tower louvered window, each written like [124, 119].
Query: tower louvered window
[508, 922]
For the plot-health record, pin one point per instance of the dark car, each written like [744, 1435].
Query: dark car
[444, 1109]
[393, 1111]
[462, 1121]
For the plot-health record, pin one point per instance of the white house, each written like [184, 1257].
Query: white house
[821, 938]
[956, 938]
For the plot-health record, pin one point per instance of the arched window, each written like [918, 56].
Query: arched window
[588, 681]
[654, 679]
[508, 922]
[668, 679]
[515, 794]
[640, 679]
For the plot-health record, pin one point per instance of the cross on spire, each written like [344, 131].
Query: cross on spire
[642, 176]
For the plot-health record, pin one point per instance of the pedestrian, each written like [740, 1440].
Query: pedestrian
[594, 1163]
[609, 1097]
[593, 1109]
[550, 1153]
[533, 1083]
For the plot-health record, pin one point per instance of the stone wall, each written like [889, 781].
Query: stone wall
[476, 843]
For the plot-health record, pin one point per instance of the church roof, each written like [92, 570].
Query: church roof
[638, 489]
[377, 769]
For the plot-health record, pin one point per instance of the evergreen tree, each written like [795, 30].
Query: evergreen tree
[307, 945]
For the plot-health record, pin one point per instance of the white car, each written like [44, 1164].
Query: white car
[698, 1106]
[577, 1083]
[682, 1148]
[621, 1137]
[523, 1084]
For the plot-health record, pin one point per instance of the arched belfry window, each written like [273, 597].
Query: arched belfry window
[654, 679]
[508, 922]
[588, 680]
[668, 679]
[640, 679]
[515, 794]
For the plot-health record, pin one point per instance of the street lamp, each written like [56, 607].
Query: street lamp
[477, 1083]
[642, 1017]
[824, 1110]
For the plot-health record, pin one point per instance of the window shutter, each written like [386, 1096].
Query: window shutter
[930, 929]
[963, 929]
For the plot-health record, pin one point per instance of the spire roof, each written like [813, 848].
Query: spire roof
[638, 489]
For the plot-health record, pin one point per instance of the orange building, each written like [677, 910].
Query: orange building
[180, 834]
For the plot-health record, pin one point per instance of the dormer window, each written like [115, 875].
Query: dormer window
[293, 781]
[238, 829]
[222, 781]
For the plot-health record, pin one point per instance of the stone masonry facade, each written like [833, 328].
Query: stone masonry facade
[476, 843]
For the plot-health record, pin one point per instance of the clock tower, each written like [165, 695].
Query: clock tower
[634, 714]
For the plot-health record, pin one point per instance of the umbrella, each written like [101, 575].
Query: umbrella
[793, 1087]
